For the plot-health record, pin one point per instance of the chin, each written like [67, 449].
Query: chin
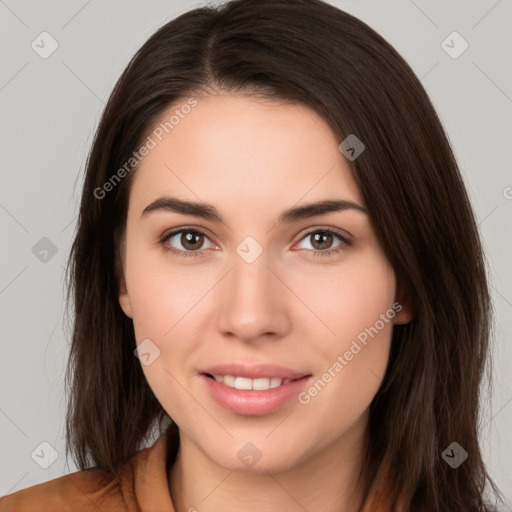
[250, 459]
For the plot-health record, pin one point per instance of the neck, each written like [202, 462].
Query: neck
[327, 481]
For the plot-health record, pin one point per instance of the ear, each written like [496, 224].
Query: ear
[405, 311]
[124, 299]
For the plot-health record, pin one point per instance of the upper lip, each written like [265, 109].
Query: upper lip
[255, 371]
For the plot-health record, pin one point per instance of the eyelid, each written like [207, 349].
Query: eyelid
[344, 236]
[176, 231]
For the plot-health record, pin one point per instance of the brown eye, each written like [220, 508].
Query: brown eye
[191, 240]
[185, 241]
[322, 240]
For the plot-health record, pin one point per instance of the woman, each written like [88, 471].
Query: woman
[276, 258]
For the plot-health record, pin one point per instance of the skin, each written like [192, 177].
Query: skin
[252, 160]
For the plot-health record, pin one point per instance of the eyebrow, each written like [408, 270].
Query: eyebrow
[209, 212]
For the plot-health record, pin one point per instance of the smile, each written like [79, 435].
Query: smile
[259, 384]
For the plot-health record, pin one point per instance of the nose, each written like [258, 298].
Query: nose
[253, 301]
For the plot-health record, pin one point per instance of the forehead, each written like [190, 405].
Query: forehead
[237, 150]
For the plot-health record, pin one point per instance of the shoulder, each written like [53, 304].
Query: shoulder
[139, 483]
[91, 489]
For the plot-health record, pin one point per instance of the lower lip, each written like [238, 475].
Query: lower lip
[250, 402]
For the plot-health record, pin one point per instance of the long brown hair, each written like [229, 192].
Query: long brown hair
[310, 52]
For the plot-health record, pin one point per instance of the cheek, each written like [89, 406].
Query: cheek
[161, 296]
[151, 315]
[356, 309]
[366, 327]
[163, 313]
[342, 302]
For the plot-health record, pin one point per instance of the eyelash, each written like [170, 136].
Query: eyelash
[195, 254]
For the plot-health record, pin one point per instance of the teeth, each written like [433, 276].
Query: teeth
[260, 384]
[228, 380]
[275, 382]
[243, 383]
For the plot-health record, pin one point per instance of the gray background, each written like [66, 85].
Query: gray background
[51, 106]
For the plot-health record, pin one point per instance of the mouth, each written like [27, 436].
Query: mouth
[258, 384]
[253, 390]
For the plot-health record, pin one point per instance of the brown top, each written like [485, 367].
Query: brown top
[140, 485]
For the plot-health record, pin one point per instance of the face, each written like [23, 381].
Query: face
[292, 314]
